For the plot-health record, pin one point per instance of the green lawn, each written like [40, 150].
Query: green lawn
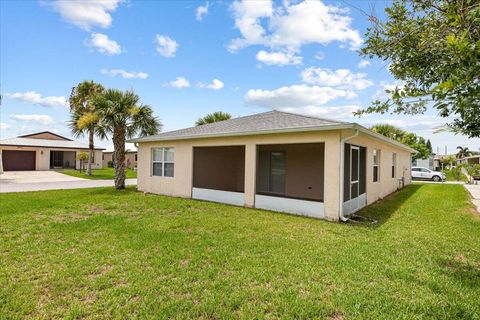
[106, 254]
[105, 173]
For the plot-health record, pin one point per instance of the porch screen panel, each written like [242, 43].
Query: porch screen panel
[219, 168]
[346, 173]
[363, 170]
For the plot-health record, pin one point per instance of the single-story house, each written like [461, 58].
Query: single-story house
[130, 156]
[44, 151]
[276, 161]
[471, 160]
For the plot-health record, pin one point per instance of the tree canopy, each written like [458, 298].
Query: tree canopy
[433, 50]
[213, 117]
[463, 152]
[408, 138]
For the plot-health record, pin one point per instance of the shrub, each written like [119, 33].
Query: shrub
[110, 164]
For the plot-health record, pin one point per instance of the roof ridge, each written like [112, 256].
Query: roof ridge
[310, 116]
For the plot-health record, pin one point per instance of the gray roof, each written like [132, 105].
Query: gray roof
[48, 143]
[264, 123]
[257, 123]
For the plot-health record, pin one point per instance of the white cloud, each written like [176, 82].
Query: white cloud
[202, 11]
[4, 126]
[385, 85]
[363, 64]
[166, 46]
[33, 118]
[86, 14]
[180, 83]
[291, 25]
[342, 78]
[125, 74]
[33, 97]
[296, 96]
[278, 58]
[215, 85]
[103, 44]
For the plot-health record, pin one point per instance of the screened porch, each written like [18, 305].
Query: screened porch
[219, 174]
[290, 178]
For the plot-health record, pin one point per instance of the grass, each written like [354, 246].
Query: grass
[106, 254]
[450, 177]
[104, 173]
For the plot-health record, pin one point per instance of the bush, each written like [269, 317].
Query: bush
[110, 164]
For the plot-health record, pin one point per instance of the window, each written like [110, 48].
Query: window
[136, 157]
[376, 164]
[394, 165]
[162, 162]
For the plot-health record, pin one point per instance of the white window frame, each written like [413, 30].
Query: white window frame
[376, 155]
[163, 161]
[394, 165]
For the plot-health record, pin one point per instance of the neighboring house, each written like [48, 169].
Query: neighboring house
[277, 161]
[44, 151]
[424, 163]
[130, 156]
[469, 160]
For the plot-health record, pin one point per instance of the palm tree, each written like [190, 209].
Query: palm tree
[463, 152]
[84, 118]
[213, 117]
[123, 117]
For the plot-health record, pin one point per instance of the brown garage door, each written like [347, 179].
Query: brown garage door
[18, 160]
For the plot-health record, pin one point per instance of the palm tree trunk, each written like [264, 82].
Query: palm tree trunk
[119, 152]
[90, 155]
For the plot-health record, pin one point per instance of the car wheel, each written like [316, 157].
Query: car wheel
[436, 178]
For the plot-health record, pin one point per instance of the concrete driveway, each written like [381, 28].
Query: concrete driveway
[474, 190]
[22, 181]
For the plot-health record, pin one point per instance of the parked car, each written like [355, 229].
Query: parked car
[427, 174]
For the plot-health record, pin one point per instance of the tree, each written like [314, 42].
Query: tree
[213, 117]
[123, 117]
[429, 147]
[433, 50]
[449, 161]
[82, 156]
[84, 118]
[410, 139]
[463, 152]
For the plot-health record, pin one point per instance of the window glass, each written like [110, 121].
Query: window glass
[168, 154]
[162, 162]
[278, 171]
[394, 165]
[168, 170]
[158, 154]
[376, 162]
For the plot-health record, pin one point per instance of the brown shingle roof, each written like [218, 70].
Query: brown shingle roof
[258, 123]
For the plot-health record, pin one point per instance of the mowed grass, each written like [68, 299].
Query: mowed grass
[104, 173]
[106, 254]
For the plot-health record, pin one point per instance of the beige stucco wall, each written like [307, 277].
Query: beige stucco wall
[42, 158]
[107, 156]
[181, 184]
[386, 184]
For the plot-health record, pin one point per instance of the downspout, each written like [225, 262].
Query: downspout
[342, 171]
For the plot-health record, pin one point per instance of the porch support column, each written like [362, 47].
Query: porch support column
[332, 177]
[250, 173]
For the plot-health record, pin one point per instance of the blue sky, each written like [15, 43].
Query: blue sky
[189, 58]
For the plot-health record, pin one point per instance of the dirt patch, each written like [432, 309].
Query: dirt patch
[336, 316]
[100, 272]
[71, 217]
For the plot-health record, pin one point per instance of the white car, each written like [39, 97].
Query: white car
[427, 174]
